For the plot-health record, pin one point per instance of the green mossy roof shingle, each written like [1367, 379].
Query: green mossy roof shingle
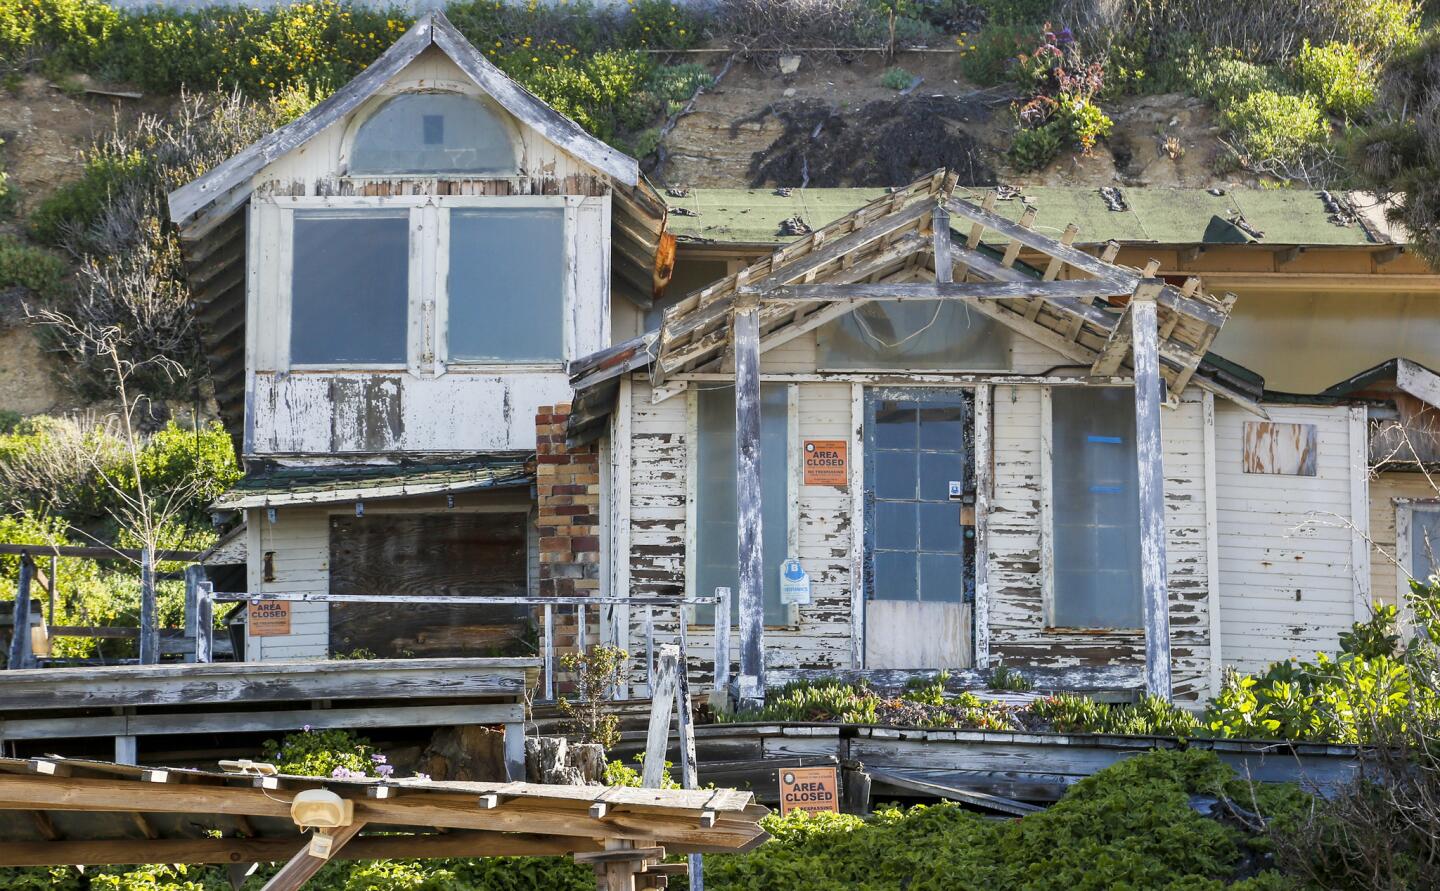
[273, 485]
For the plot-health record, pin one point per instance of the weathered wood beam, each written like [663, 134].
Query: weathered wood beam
[149, 610]
[107, 852]
[20, 629]
[902, 292]
[748, 499]
[1117, 345]
[304, 863]
[664, 689]
[944, 268]
[94, 553]
[1151, 478]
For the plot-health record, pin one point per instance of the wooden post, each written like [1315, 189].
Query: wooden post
[53, 587]
[194, 575]
[548, 636]
[662, 699]
[944, 267]
[205, 622]
[515, 752]
[20, 632]
[748, 500]
[149, 618]
[126, 750]
[304, 864]
[722, 641]
[689, 770]
[650, 651]
[1151, 476]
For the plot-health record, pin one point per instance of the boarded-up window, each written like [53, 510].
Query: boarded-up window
[1288, 449]
[456, 554]
[941, 334]
[1425, 542]
[350, 288]
[433, 133]
[1096, 508]
[716, 557]
[507, 284]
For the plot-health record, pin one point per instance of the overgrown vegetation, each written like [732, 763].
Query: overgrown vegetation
[596, 673]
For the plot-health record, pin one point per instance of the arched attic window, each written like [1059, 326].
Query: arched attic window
[433, 133]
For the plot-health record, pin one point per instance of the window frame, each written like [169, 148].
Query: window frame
[427, 305]
[1405, 509]
[692, 508]
[1047, 524]
[370, 106]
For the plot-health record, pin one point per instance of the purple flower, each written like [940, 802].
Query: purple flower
[378, 758]
[345, 773]
[306, 728]
[385, 770]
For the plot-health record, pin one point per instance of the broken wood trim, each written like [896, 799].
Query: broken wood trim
[900, 292]
[1117, 346]
[983, 800]
[984, 481]
[664, 691]
[1151, 486]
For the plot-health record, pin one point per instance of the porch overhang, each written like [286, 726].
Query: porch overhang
[275, 485]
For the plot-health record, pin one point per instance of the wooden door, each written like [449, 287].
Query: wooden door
[919, 528]
[454, 553]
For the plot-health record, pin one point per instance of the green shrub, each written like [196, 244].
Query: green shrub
[1017, 12]
[896, 78]
[324, 753]
[74, 206]
[1271, 127]
[1222, 78]
[36, 270]
[987, 58]
[1034, 148]
[1339, 75]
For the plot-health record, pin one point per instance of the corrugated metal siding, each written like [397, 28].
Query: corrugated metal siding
[1285, 549]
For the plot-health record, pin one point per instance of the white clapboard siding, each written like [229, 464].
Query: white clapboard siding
[1018, 612]
[1384, 490]
[299, 542]
[1285, 545]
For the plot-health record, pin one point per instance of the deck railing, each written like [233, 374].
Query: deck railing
[205, 597]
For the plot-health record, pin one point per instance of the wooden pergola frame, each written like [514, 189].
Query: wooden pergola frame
[95, 813]
[1115, 320]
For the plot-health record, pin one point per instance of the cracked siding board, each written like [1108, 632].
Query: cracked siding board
[300, 543]
[1016, 535]
[1284, 548]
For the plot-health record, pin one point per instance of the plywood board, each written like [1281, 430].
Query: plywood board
[1287, 449]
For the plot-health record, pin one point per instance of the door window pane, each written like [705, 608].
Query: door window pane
[349, 287]
[1096, 508]
[507, 284]
[717, 535]
[942, 334]
[433, 133]
[1424, 543]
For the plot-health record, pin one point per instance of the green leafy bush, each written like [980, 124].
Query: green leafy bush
[73, 206]
[1339, 75]
[1221, 77]
[1017, 12]
[987, 58]
[28, 267]
[896, 78]
[1271, 127]
[324, 753]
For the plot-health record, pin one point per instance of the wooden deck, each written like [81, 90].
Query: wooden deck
[130, 701]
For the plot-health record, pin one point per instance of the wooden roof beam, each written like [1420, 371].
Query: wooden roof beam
[305, 862]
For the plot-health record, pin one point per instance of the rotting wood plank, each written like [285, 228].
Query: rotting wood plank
[1151, 486]
[982, 800]
[748, 499]
[1074, 289]
[663, 694]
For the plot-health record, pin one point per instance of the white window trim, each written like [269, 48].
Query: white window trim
[1047, 526]
[429, 251]
[1405, 509]
[462, 88]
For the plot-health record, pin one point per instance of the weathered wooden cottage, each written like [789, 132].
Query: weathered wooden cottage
[467, 350]
[392, 287]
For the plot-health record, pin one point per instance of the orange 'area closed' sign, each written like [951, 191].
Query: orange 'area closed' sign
[268, 618]
[827, 462]
[812, 789]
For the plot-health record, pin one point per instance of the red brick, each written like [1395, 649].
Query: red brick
[585, 543]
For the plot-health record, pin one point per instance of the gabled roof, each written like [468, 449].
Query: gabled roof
[887, 250]
[226, 186]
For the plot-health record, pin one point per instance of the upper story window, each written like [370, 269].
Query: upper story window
[433, 133]
[350, 287]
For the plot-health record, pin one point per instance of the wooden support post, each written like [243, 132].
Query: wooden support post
[689, 769]
[515, 751]
[205, 622]
[304, 864]
[748, 499]
[149, 611]
[944, 266]
[1151, 476]
[20, 631]
[54, 586]
[548, 635]
[984, 483]
[650, 651]
[722, 643]
[662, 700]
[126, 750]
[194, 575]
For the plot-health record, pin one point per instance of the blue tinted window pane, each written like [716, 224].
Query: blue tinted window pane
[1424, 543]
[716, 540]
[433, 133]
[349, 288]
[940, 528]
[1096, 508]
[937, 471]
[506, 284]
[895, 426]
[895, 475]
[894, 575]
[895, 525]
[942, 427]
[942, 578]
